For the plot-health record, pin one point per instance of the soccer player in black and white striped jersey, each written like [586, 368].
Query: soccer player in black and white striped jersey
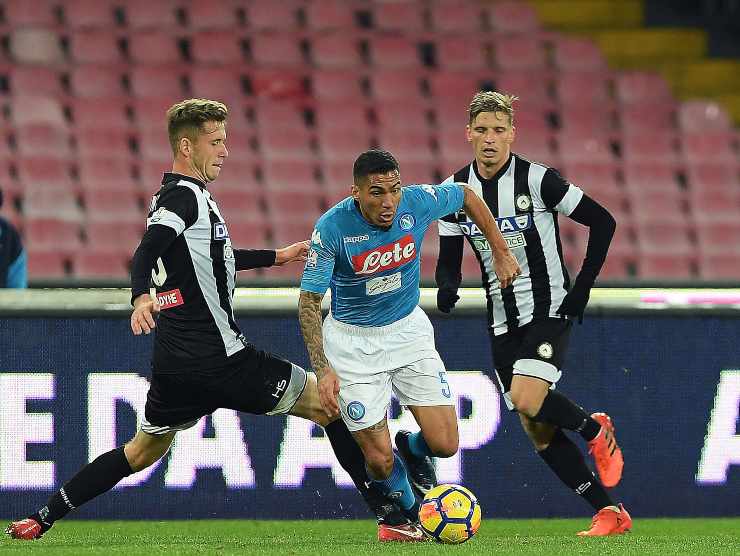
[530, 321]
[201, 360]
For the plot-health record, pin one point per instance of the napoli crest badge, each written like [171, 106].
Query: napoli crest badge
[356, 410]
[407, 221]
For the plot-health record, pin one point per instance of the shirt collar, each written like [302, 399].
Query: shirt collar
[172, 176]
[497, 175]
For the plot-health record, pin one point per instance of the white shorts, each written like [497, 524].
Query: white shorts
[372, 362]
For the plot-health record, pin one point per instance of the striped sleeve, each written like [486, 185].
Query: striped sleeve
[550, 191]
[177, 208]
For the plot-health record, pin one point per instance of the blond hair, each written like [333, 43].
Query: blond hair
[186, 118]
[492, 101]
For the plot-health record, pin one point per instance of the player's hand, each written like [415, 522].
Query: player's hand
[145, 310]
[328, 391]
[297, 252]
[575, 301]
[507, 269]
[446, 300]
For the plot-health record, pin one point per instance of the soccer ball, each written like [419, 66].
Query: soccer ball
[450, 514]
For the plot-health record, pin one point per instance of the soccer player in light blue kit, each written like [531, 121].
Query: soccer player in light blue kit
[376, 338]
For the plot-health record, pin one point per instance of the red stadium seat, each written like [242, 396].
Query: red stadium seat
[394, 52]
[299, 205]
[647, 118]
[285, 232]
[458, 17]
[342, 144]
[51, 202]
[520, 53]
[329, 15]
[578, 149]
[285, 143]
[702, 115]
[122, 237]
[513, 17]
[576, 54]
[157, 82]
[418, 172]
[403, 115]
[144, 14]
[106, 173]
[246, 234]
[277, 84]
[32, 109]
[465, 53]
[453, 145]
[535, 146]
[89, 14]
[336, 51]
[723, 204]
[396, 85]
[151, 113]
[528, 86]
[336, 85]
[266, 15]
[663, 238]
[96, 46]
[52, 234]
[276, 50]
[154, 48]
[151, 172]
[221, 16]
[153, 144]
[21, 13]
[639, 176]
[710, 176]
[581, 119]
[35, 80]
[642, 147]
[102, 113]
[46, 264]
[638, 87]
[37, 170]
[453, 85]
[97, 80]
[298, 175]
[289, 273]
[217, 47]
[719, 266]
[43, 140]
[36, 46]
[218, 83]
[702, 147]
[715, 236]
[657, 207]
[660, 266]
[113, 204]
[244, 205]
[282, 114]
[100, 264]
[592, 177]
[583, 87]
[403, 17]
[406, 147]
[107, 142]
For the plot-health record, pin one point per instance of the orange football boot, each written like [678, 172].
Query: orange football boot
[608, 522]
[606, 452]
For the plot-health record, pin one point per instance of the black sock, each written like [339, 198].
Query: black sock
[352, 460]
[560, 411]
[97, 477]
[566, 460]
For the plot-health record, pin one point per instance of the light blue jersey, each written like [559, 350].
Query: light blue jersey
[374, 273]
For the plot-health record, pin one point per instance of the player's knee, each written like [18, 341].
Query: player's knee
[140, 457]
[444, 446]
[525, 404]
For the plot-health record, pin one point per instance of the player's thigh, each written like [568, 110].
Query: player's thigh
[439, 426]
[144, 448]
[375, 443]
[539, 433]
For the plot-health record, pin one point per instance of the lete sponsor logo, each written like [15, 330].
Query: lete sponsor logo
[169, 299]
[385, 257]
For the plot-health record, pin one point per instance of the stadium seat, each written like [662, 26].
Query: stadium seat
[471, 272]
[32, 109]
[577, 149]
[47, 264]
[97, 264]
[221, 16]
[722, 204]
[48, 171]
[717, 236]
[151, 113]
[408, 115]
[52, 234]
[639, 176]
[531, 89]
[151, 172]
[21, 13]
[267, 15]
[463, 53]
[534, 146]
[406, 147]
[36, 46]
[275, 50]
[298, 175]
[453, 145]
[396, 85]
[100, 112]
[638, 119]
[107, 142]
[154, 48]
[113, 204]
[660, 266]
[43, 201]
[513, 17]
[217, 83]
[642, 147]
[238, 174]
[336, 51]
[153, 144]
[720, 266]
[583, 88]
[459, 17]
[145, 14]
[576, 54]
[122, 237]
[520, 53]
[592, 176]
[289, 273]
[282, 114]
[580, 119]
[398, 17]
[157, 81]
[638, 87]
[287, 232]
[710, 176]
[89, 14]
[702, 115]
[285, 143]
[336, 176]
[217, 47]
[96, 46]
[657, 206]
[453, 85]
[663, 237]
[342, 144]
[247, 235]
[330, 15]
[35, 80]
[106, 173]
[418, 172]
[394, 52]
[97, 80]
[277, 84]
[708, 146]
[336, 85]
[43, 140]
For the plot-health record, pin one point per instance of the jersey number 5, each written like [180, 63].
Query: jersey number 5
[160, 274]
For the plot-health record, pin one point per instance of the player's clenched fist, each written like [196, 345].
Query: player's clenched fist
[142, 319]
[507, 268]
[328, 386]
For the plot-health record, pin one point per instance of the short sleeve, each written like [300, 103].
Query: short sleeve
[321, 259]
[556, 192]
[176, 208]
[440, 200]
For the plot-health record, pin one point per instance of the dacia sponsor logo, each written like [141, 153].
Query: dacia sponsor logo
[220, 231]
[507, 225]
[356, 239]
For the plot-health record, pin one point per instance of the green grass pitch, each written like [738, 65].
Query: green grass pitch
[355, 538]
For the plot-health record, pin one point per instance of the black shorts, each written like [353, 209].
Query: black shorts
[536, 349]
[252, 381]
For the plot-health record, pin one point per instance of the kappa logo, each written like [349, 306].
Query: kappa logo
[430, 189]
[316, 238]
[356, 239]
[356, 410]
[385, 257]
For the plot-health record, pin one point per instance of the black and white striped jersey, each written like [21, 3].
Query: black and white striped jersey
[194, 278]
[525, 198]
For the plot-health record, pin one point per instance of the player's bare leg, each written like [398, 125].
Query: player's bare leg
[392, 523]
[95, 478]
[438, 438]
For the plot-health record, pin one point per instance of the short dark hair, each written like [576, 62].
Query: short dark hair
[374, 161]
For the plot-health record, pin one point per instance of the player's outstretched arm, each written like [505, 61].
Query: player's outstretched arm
[506, 267]
[309, 316]
[296, 252]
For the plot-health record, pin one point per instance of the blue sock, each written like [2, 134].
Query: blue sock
[397, 486]
[419, 446]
